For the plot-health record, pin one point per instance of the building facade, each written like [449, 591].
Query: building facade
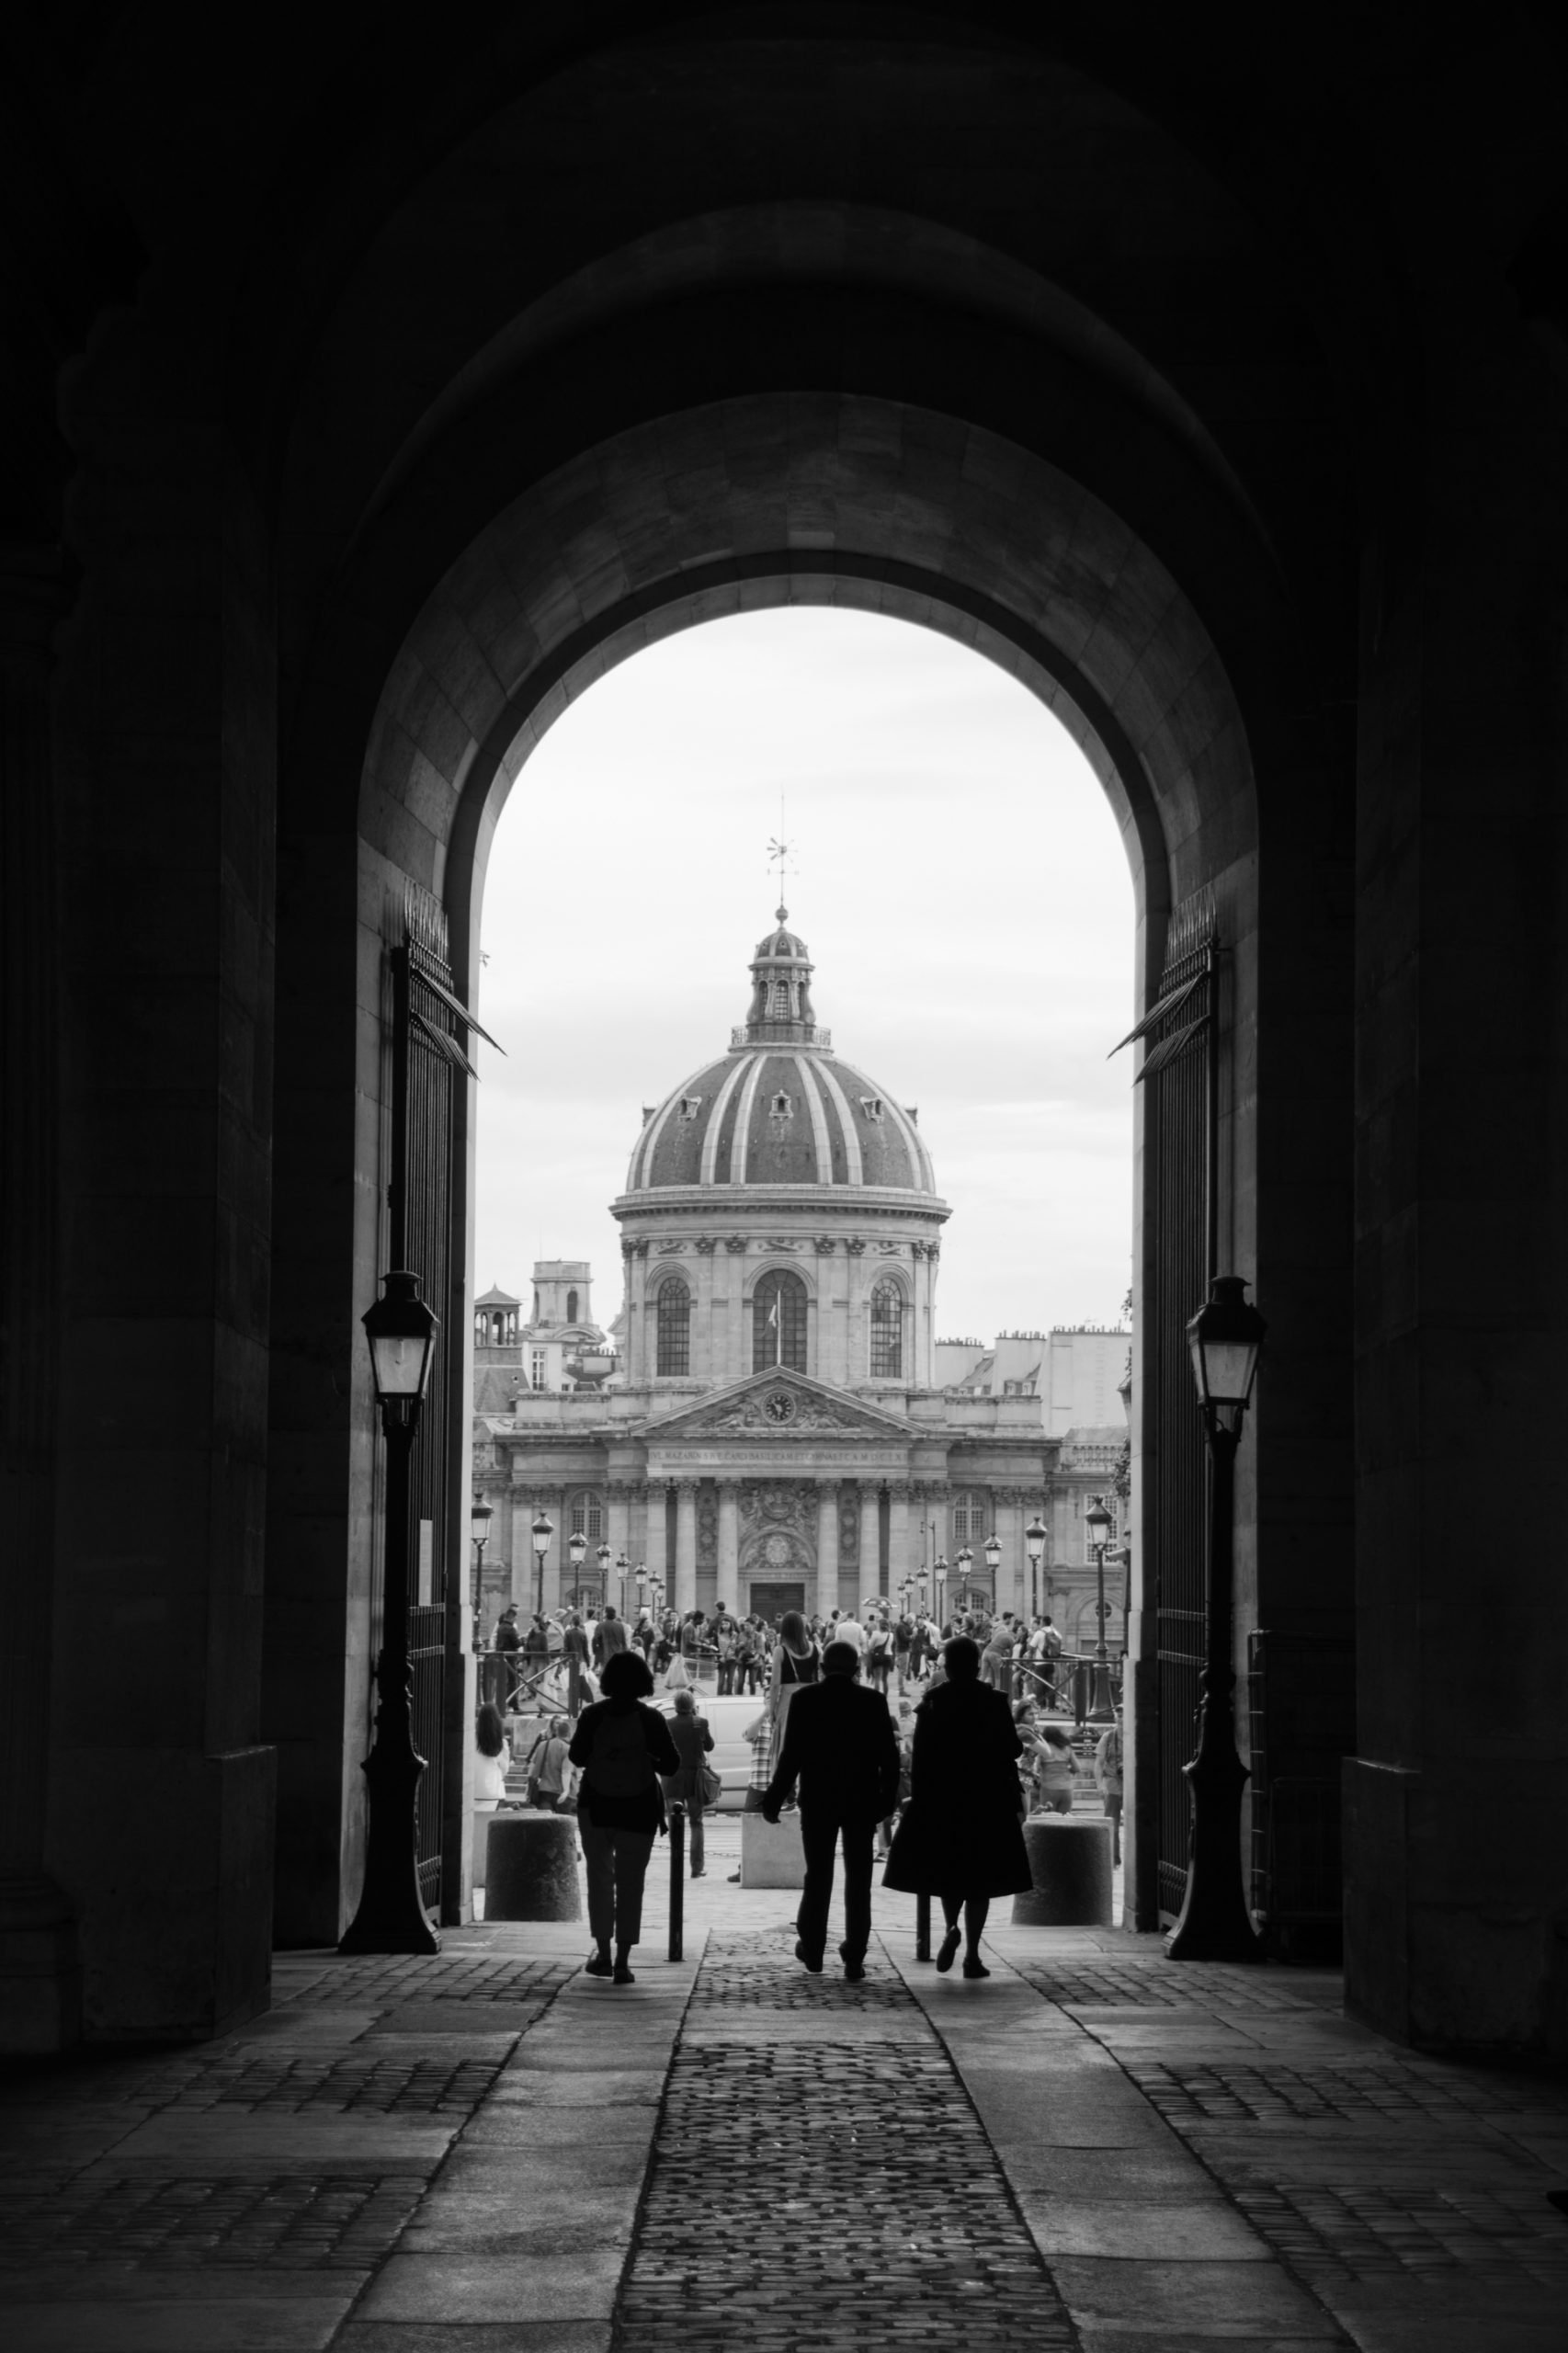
[781, 1437]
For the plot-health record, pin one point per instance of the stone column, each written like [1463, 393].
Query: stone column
[870, 1569]
[1012, 1573]
[736, 1357]
[705, 1348]
[656, 1549]
[904, 1558]
[685, 1545]
[730, 1544]
[827, 1547]
[40, 1991]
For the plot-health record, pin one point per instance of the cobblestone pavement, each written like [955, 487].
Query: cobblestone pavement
[486, 2150]
[849, 2170]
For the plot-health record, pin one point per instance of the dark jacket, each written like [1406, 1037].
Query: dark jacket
[646, 1810]
[959, 1833]
[840, 1743]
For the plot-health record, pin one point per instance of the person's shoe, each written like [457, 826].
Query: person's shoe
[853, 1969]
[949, 1949]
[975, 1968]
[812, 1967]
[734, 1879]
[623, 1975]
[598, 1965]
[702, 1874]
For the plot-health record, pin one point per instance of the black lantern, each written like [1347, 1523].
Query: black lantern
[1224, 1338]
[390, 1914]
[539, 1535]
[1098, 1525]
[1034, 1545]
[1215, 1925]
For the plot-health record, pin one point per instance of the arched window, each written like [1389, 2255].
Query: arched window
[778, 1322]
[971, 1515]
[587, 1517]
[675, 1327]
[887, 1331]
[571, 1307]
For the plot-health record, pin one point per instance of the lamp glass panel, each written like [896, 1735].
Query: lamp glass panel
[1224, 1370]
[399, 1360]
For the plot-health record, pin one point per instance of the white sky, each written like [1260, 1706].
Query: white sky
[961, 885]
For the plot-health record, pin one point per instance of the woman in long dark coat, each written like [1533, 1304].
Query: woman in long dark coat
[960, 1838]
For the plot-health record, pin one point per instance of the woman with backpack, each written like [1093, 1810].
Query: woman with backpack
[621, 1747]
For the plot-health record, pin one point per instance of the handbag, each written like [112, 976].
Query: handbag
[708, 1786]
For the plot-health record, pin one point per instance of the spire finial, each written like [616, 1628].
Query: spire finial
[778, 851]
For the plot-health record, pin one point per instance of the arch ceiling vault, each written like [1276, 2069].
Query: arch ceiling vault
[373, 400]
[964, 413]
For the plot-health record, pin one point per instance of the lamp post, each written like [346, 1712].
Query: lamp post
[1224, 1338]
[622, 1566]
[1098, 1525]
[603, 1556]
[964, 1561]
[577, 1547]
[390, 1914]
[540, 1533]
[993, 1551]
[1034, 1545]
[641, 1575]
[940, 1574]
[479, 1518]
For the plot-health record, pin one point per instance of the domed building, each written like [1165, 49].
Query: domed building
[778, 1438]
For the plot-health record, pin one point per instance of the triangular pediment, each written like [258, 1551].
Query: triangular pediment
[779, 1404]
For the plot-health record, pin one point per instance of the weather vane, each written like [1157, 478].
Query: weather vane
[779, 852]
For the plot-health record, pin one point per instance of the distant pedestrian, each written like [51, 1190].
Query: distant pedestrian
[1056, 1770]
[795, 1662]
[621, 1746]
[693, 1741]
[1107, 1773]
[491, 1758]
[611, 1635]
[958, 1839]
[550, 1766]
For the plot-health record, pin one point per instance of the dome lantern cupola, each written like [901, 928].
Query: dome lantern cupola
[781, 1010]
[780, 1114]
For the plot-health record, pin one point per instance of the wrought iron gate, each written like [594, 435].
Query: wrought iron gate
[1180, 1077]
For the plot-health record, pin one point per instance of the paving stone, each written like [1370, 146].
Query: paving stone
[1218, 2298]
[343, 2222]
[577, 2284]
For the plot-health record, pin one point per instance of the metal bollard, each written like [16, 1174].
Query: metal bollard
[922, 1927]
[677, 1882]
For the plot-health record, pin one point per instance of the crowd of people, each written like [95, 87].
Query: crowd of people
[981, 1723]
[898, 1649]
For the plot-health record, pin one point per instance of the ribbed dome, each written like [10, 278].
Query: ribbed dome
[780, 1109]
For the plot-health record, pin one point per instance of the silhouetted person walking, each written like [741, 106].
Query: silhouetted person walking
[839, 1742]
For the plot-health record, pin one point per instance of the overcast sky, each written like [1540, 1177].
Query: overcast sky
[959, 883]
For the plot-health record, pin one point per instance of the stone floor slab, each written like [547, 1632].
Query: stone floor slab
[578, 2284]
[1158, 2298]
[475, 2337]
[1131, 2232]
[267, 2324]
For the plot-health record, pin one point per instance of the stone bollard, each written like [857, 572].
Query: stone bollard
[531, 1867]
[772, 1854]
[1069, 1858]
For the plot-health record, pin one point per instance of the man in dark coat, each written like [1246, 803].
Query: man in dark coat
[839, 1744]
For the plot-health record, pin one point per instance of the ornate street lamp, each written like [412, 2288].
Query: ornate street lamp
[940, 1574]
[1224, 1338]
[1034, 1545]
[577, 1547]
[621, 1566]
[993, 1548]
[1098, 1526]
[391, 1915]
[479, 1518]
[539, 1535]
[964, 1561]
[603, 1556]
[641, 1573]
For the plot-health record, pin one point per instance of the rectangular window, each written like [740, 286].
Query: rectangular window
[540, 1368]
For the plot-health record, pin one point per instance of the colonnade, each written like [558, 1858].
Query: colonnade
[638, 1528]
